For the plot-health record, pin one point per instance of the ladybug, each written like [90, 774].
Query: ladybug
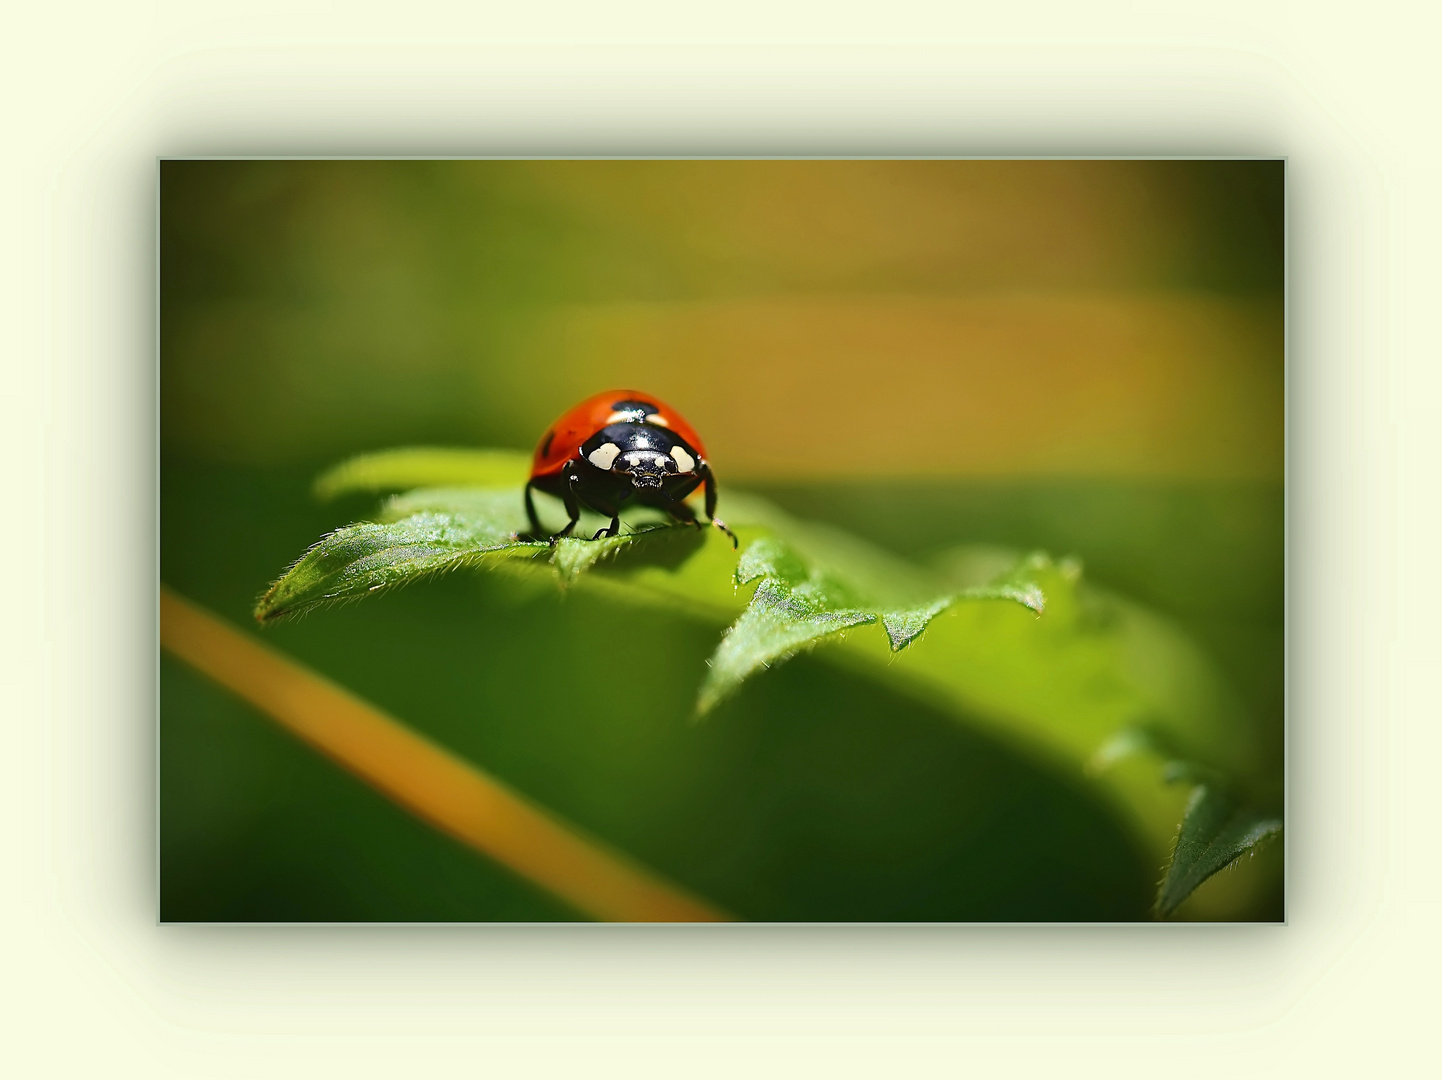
[618, 446]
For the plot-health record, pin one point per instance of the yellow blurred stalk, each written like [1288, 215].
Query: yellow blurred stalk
[436, 786]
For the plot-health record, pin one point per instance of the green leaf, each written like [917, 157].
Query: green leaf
[800, 601]
[499, 510]
[1216, 831]
[423, 466]
[794, 605]
[1020, 646]
[367, 558]
[435, 530]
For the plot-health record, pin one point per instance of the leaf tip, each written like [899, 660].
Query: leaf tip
[1214, 834]
[707, 698]
[905, 627]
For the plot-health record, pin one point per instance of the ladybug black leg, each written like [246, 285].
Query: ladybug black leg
[683, 513]
[711, 506]
[536, 531]
[573, 508]
[610, 530]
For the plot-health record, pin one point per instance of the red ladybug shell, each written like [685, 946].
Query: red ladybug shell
[562, 440]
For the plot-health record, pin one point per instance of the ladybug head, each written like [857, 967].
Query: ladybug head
[646, 468]
[645, 455]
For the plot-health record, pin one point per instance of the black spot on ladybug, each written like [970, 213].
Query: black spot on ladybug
[643, 410]
[546, 446]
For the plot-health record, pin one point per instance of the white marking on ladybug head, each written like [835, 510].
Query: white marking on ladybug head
[646, 459]
[659, 420]
[604, 456]
[684, 461]
[646, 468]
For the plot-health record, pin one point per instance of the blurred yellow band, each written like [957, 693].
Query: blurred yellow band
[430, 782]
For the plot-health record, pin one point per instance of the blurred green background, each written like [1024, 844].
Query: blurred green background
[1085, 357]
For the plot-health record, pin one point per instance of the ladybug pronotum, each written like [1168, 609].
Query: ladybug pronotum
[616, 447]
